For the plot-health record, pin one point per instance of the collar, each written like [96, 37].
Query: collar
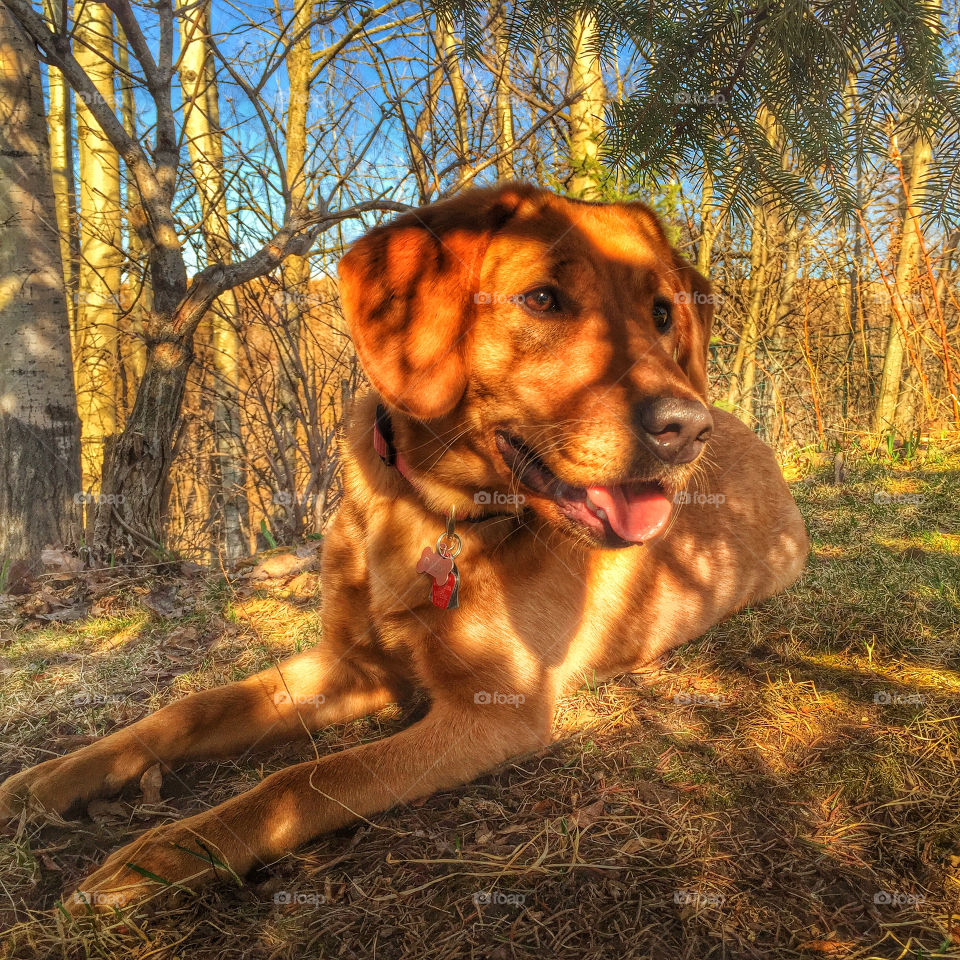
[388, 453]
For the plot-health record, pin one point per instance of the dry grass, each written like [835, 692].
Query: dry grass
[748, 797]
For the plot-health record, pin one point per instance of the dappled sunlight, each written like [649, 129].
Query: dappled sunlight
[901, 672]
[932, 541]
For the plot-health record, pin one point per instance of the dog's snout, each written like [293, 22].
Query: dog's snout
[673, 428]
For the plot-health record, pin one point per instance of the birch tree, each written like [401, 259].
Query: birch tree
[60, 127]
[503, 104]
[39, 430]
[885, 412]
[101, 258]
[586, 112]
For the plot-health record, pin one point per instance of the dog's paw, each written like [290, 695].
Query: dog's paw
[66, 783]
[37, 792]
[173, 857]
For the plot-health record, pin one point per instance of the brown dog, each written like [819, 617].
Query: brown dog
[540, 373]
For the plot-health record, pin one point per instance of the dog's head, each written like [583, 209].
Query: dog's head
[555, 349]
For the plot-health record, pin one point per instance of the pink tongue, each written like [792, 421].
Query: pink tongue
[635, 516]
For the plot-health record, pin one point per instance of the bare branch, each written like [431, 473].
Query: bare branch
[296, 237]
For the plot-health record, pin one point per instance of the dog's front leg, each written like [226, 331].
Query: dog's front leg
[454, 743]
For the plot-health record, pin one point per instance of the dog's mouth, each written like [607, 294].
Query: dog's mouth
[615, 515]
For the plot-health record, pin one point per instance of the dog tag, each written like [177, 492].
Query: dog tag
[435, 564]
[447, 595]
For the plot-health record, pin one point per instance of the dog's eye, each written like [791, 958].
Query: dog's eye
[662, 317]
[541, 300]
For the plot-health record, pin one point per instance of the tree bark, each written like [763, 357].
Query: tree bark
[286, 519]
[885, 413]
[133, 357]
[587, 110]
[709, 225]
[447, 47]
[98, 283]
[740, 390]
[39, 429]
[60, 125]
[501, 80]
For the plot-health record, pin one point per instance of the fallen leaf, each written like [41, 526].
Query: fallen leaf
[64, 614]
[585, 816]
[164, 603]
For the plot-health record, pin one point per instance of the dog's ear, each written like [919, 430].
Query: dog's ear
[694, 346]
[408, 292]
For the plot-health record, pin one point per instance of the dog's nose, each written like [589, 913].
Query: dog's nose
[673, 428]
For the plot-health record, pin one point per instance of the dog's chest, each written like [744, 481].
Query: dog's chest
[562, 611]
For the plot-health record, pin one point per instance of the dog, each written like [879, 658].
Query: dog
[536, 494]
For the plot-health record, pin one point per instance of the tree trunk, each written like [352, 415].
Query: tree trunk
[287, 517]
[423, 167]
[503, 105]
[709, 225]
[39, 429]
[740, 390]
[132, 507]
[134, 356]
[98, 310]
[587, 110]
[201, 126]
[60, 121]
[885, 412]
[446, 43]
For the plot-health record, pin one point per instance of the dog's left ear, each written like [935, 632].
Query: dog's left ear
[408, 293]
[694, 346]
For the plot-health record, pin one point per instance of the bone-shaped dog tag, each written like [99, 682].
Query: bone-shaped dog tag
[435, 564]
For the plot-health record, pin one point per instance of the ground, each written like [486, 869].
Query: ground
[784, 787]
